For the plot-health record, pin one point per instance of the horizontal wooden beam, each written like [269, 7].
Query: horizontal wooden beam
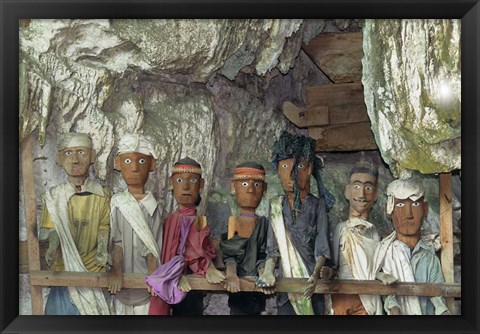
[294, 285]
[345, 137]
[336, 94]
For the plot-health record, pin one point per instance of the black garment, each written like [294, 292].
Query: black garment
[308, 233]
[248, 254]
[191, 305]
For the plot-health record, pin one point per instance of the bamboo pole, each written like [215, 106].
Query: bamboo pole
[294, 285]
[31, 221]
[446, 232]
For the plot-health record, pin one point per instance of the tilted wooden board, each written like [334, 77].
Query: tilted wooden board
[338, 55]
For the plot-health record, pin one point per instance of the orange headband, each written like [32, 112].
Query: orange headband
[248, 173]
[186, 169]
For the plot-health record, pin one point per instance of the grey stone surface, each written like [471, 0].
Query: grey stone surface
[412, 79]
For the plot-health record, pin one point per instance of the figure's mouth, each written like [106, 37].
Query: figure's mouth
[189, 195]
[361, 200]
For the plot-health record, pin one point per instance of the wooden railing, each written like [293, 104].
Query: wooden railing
[295, 285]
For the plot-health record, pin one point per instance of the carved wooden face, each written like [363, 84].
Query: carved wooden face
[249, 193]
[186, 188]
[135, 167]
[361, 192]
[76, 160]
[304, 173]
[407, 215]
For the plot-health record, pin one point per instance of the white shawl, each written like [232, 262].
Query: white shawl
[89, 301]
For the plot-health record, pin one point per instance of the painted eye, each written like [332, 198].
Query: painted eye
[356, 186]
[194, 180]
[179, 180]
[300, 166]
[284, 165]
[368, 188]
[416, 204]
[127, 161]
[400, 205]
[67, 153]
[141, 161]
[245, 184]
[81, 152]
[257, 184]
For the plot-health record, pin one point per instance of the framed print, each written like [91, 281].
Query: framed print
[228, 92]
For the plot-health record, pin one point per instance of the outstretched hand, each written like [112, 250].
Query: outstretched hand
[115, 281]
[232, 283]
[213, 275]
[183, 284]
[385, 278]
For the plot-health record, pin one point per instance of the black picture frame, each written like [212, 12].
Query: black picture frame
[13, 10]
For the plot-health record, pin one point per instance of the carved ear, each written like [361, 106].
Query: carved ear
[202, 183]
[170, 183]
[93, 156]
[59, 158]
[348, 192]
[232, 187]
[265, 187]
[116, 163]
[153, 164]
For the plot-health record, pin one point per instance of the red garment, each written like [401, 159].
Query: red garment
[198, 251]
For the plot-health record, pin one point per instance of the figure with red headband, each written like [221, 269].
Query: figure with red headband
[187, 248]
[244, 245]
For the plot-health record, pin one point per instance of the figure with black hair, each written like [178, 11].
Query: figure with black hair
[244, 245]
[298, 230]
[355, 241]
[186, 248]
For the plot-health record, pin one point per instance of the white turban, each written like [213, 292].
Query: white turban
[74, 139]
[403, 189]
[134, 142]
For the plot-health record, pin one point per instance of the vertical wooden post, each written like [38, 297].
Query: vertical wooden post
[446, 232]
[31, 221]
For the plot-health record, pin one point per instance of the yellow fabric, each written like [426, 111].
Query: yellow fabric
[88, 214]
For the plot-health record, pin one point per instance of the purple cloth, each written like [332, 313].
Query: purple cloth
[165, 279]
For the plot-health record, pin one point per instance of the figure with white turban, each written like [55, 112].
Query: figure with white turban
[75, 220]
[136, 238]
[404, 255]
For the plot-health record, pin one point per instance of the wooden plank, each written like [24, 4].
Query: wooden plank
[294, 114]
[349, 137]
[338, 55]
[348, 114]
[295, 285]
[31, 220]
[446, 232]
[23, 256]
[338, 94]
[317, 116]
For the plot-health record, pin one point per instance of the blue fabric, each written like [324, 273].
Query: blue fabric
[59, 303]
